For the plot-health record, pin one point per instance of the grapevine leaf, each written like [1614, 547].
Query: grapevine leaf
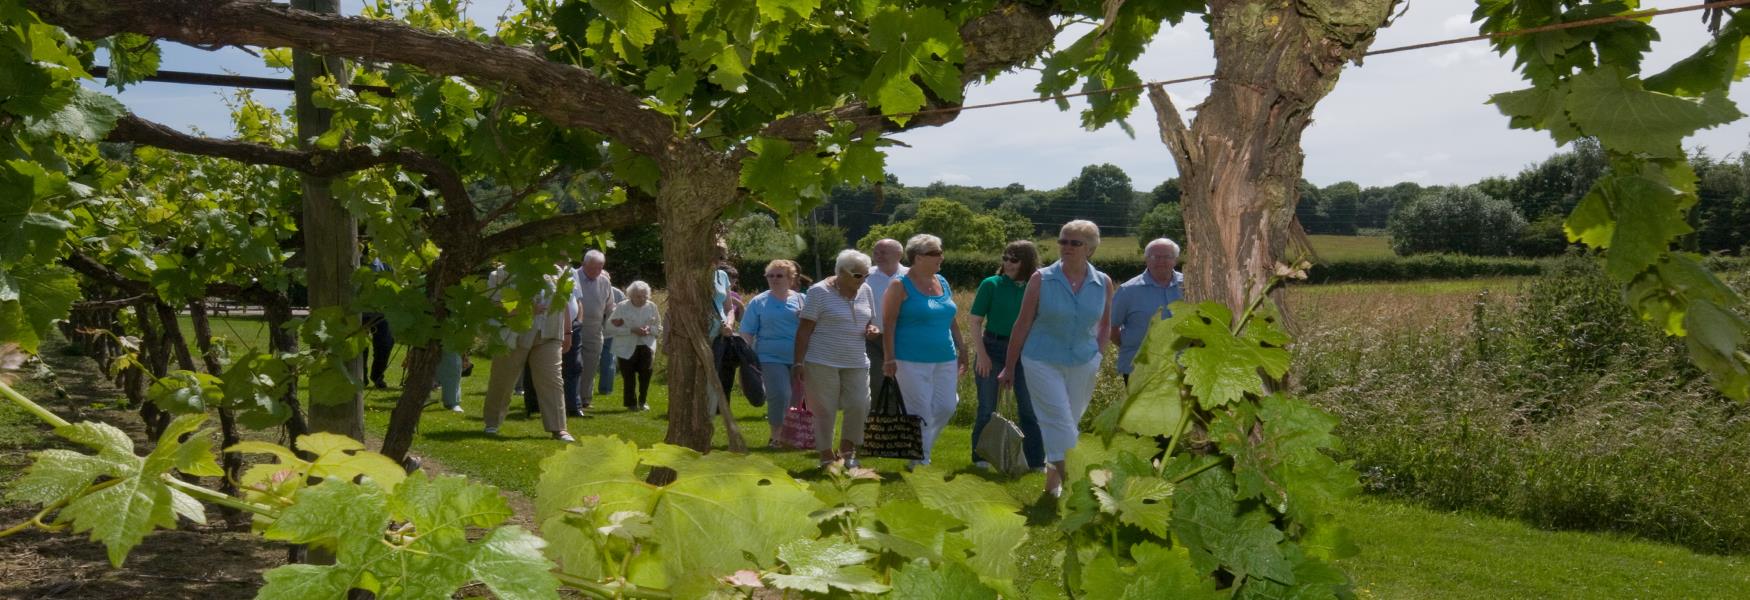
[1313, 579]
[1223, 367]
[1158, 573]
[89, 116]
[775, 10]
[120, 516]
[1540, 108]
[334, 514]
[106, 439]
[299, 582]
[598, 471]
[1718, 63]
[1217, 534]
[1648, 216]
[821, 565]
[338, 456]
[1095, 451]
[632, 18]
[510, 563]
[184, 392]
[1328, 541]
[57, 475]
[947, 582]
[994, 525]
[43, 295]
[1141, 500]
[1608, 104]
[746, 506]
[1591, 222]
[193, 456]
[448, 503]
[1154, 406]
[1717, 344]
[910, 529]
[1295, 426]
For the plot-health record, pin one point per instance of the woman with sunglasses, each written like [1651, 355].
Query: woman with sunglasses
[830, 359]
[924, 354]
[770, 327]
[1057, 341]
[993, 315]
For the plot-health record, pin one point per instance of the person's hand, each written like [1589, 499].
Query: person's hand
[796, 373]
[645, 330]
[872, 332]
[962, 365]
[725, 331]
[889, 367]
[1005, 380]
[619, 322]
[982, 367]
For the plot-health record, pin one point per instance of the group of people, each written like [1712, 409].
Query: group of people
[889, 316]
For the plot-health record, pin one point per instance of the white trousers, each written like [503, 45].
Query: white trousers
[1060, 395]
[931, 390]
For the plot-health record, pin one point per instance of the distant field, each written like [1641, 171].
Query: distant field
[1333, 248]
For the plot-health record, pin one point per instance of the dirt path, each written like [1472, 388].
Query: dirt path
[205, 562]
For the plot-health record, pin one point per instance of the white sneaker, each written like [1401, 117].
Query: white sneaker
[491, 431]
[456, 409]
[982, 465]
[564, 436]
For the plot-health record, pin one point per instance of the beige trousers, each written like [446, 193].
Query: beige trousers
[832, 390]
[543, 361]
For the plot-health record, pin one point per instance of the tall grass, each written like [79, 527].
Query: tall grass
[1549, 403]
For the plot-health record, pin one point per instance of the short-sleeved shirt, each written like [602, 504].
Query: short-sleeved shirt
[1137, 304]
[878, 282]
[839, 324]
[772, 323]
[999, 302]
[924, 329]
[719, 295]
[1065, 326]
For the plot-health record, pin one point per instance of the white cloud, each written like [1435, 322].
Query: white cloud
[1459, 24]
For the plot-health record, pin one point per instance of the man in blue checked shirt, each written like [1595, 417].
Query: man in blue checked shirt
[1145, 298]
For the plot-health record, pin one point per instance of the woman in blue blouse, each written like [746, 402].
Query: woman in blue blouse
[924, 354]
[769, 325]
[1057, 340]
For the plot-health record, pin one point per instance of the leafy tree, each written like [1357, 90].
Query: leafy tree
[1100, 193]
[1340, 202]
[1555, 185]
[1458, 220]
[757, 237]
[1721, 216]
[821, 244]
[960, 228]
[1164, 220]
[1376, 203]
[1168, 192]
[1309, 208]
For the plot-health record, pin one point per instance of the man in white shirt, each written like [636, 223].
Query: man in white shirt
[885, 255]
[594, 295]
[539, 348]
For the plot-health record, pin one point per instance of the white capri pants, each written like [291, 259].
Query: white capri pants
[1060, 395]
[832, 390]
[930, 391]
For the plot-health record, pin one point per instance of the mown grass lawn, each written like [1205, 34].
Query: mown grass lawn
[1408, 552]
[1333, 248]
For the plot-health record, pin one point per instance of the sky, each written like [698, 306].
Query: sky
[1415, 116]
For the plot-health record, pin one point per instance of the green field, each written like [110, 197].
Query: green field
[1408, 552]
[1334, 248]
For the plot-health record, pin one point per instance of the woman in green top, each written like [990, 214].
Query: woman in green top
[993, 315]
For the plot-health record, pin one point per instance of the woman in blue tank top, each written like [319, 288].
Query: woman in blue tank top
[1057, 341]
[924, 354]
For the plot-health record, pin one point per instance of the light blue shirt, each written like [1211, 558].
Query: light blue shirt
[1065, 326]
[719, 295]
[773, 323]
[1137, 304]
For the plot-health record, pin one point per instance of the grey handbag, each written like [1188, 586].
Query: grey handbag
[1000, 442]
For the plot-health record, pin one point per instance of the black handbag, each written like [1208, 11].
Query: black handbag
[890, 432]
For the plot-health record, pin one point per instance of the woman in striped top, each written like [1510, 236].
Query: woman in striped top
[836, 318]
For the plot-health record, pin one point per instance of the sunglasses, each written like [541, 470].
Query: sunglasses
[1011, 259]
[934, 254]
[776, 275]
[858, 275]
[1071, 243]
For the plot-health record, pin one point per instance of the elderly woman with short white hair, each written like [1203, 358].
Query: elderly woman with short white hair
[925, 355]
[1057, 340]
[634, 326]
[836, 318]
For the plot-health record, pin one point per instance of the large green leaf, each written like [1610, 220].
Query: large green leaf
[746, 506]
[597, 471]
[1217, 533]
[1606, 104]
[946, 582]
[31, 299]
[633, 19]
[1158, 573]
[1222, 367]
[910, 529]
[821, 566]
[993, 521]
[89, 116]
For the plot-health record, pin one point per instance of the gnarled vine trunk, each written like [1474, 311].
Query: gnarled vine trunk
[230, 462]
[694, 191]
[1240, 160]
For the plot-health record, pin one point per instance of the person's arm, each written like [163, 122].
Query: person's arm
[655, 325]
[804, 331]
[618, 323]
[890, 301]
[963, 353]
[981, 302]
[1105, 320]
[750, 322]
[1023, 326]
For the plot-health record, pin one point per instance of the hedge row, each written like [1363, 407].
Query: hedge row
[967, 272]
